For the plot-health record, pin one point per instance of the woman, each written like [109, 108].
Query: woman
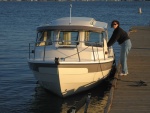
[123, 39]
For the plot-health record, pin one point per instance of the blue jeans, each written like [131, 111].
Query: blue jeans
[125, 48]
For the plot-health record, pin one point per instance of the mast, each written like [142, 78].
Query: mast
[70, 13]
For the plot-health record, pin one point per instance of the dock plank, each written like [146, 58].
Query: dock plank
[132, 92]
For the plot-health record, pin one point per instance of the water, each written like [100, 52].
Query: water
[19, 92]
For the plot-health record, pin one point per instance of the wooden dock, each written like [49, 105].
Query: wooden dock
[131, 93]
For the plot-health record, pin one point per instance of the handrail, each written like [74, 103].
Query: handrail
[93, 53]
[78, 53]
[103, 52]
[44, 54]
[92, 44]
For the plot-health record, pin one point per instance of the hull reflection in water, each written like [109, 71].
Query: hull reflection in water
[47, 102]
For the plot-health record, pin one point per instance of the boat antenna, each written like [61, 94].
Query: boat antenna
[70, 12]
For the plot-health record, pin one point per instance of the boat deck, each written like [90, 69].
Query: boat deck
[131, 93]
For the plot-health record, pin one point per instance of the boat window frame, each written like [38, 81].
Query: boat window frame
[49, 37]
[98, 43]
[76, 41]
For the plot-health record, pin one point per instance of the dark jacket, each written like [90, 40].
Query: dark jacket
[118, 35]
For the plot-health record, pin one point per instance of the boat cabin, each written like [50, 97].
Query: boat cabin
[77, 32]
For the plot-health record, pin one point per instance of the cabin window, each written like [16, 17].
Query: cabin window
[44, 38]
[94, 38]
[68, 38]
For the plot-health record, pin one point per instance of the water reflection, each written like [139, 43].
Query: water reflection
[47, 102]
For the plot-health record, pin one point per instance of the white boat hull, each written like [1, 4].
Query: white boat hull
[70, 57]
[68, 81]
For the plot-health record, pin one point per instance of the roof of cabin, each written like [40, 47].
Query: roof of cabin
[75, 23]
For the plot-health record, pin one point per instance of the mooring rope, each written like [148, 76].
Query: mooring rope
[76, 53]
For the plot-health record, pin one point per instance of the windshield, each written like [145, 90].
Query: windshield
[94, 38]
[68, 38]
[44, 38]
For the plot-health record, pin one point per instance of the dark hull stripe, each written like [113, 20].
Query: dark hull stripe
[95, 67]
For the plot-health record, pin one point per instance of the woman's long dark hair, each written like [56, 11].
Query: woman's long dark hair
[116, 21]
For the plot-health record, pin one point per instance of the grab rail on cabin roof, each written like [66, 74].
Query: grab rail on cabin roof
[33, 45]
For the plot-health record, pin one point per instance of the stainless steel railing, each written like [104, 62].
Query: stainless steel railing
[33, 46]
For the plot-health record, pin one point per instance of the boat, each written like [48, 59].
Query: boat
[70, 55]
